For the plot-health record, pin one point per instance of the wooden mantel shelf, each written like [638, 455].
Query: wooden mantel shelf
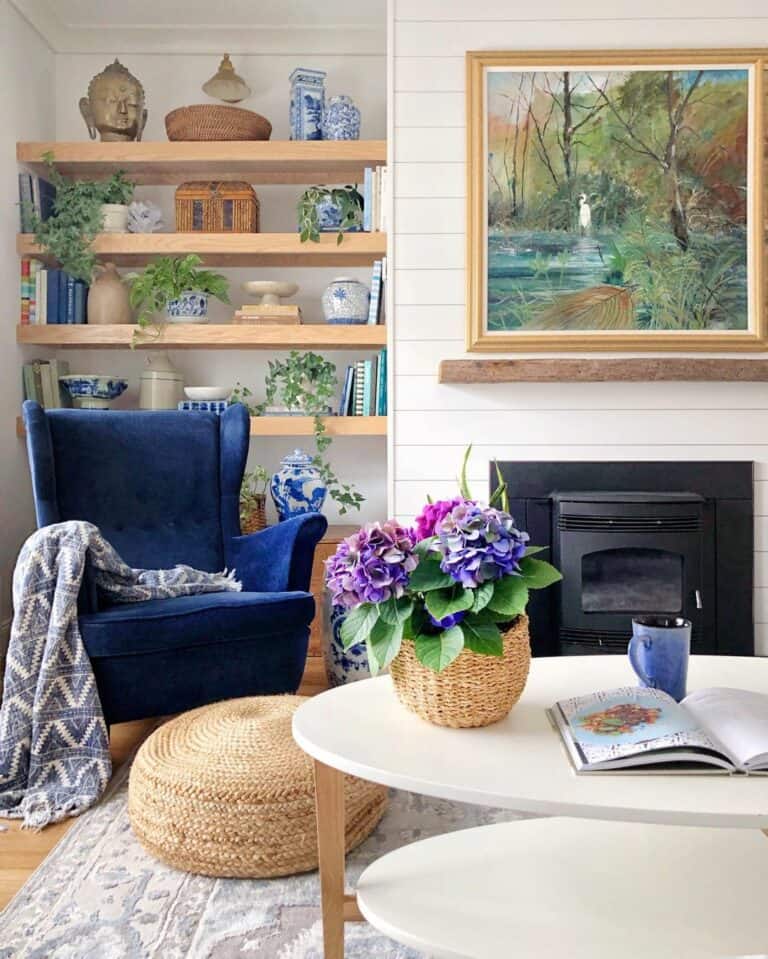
[209, 336]
[682, 369]
[230, 249]
[262, 161]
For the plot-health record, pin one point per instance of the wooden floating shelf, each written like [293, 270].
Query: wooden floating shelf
[209, 336]
[229, 249]
[602, 371]
[300, 426]
[267, 161]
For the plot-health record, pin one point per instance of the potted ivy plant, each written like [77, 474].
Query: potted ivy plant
[324, 209]
[443, 605]
[117, 195]
[253, 500]
[177, 286]
[305, 384]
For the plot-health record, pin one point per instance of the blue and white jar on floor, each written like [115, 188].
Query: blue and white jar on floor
[341, 665]
[297, 487]
[341, 119]
[346, 300]
[307, 104]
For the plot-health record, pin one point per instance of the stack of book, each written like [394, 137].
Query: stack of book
[51, 296]
[375, 187]
[268, 313]
[36, 198]
[40, 380]
[365, 388]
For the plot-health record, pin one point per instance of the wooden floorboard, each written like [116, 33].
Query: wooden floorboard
[22, 850]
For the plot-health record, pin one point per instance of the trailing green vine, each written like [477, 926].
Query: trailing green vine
[347, 199]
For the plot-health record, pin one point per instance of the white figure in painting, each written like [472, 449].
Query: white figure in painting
[585, 214]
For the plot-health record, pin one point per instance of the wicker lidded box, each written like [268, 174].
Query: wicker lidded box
[217, 207]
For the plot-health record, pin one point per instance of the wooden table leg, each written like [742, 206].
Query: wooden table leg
[329, 802]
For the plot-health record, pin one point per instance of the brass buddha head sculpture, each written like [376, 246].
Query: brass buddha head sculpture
[114, 106]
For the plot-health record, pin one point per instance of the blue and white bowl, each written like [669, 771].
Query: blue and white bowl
[341, 119]
[297, 487]
[190, 307]
[91, 391]
[346, 300]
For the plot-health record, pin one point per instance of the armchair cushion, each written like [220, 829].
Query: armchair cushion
[165, 625]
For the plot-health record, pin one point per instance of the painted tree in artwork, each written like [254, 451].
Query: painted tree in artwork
[623, 190]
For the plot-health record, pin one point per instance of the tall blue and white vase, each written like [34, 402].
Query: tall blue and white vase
[346, 300]
[341, 119]
[341, 665]
[307, 104]
[297, 487]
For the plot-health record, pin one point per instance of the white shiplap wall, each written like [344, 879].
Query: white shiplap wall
[613, 421]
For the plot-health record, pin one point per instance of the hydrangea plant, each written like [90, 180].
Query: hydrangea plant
[457, 580]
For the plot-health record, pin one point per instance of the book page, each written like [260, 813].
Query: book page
[738, 718]
[630, 721]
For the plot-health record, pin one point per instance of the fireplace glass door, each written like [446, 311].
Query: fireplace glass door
[632, 579]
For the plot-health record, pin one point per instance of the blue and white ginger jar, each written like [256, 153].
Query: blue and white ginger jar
[341, 119]
[191, 305]
[329, 217]
[346, 300]
[341, 665]
[307, 104]
[297, 487]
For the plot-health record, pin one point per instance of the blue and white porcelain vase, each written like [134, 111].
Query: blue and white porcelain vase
[346, 300]
[341, 119]
[329, 217]
[190, 307]
[307, 104]
[297, 487]
[341, 665]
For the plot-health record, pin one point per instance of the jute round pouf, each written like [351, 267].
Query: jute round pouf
[225, 791]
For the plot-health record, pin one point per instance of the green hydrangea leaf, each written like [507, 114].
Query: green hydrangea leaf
[438, 652]
[483, 638]
[357, 624]
[428, 576]
[538, 574]
[531, 550]
[483, 595]
[383, 645]
[443, 602]
[510, 596]
[395, 611]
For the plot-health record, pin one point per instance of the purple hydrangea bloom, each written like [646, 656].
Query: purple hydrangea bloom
[432, 515]
[479, 544]
[447, 621]
[371, 566]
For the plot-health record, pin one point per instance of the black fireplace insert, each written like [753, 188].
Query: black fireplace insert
[634, 538]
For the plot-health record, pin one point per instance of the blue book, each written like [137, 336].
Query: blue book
[69, 316]
[367, 198]
[367, 380]
[373, 303]
[381, 394]
[52, 305]
[344, 401]
[80, 293]
[46, 198]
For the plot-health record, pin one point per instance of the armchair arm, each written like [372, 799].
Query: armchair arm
[278, 558]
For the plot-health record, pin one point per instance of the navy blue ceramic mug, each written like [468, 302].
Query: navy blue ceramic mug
[659, 651]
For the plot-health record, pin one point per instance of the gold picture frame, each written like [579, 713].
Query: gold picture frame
[520, 315]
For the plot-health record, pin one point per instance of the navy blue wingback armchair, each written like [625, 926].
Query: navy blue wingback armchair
[163, 487]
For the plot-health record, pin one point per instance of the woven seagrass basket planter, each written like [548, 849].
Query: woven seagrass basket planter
[474, 690]
[254, 517]
[225, 791]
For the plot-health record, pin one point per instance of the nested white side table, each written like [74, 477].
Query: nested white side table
[518, 764]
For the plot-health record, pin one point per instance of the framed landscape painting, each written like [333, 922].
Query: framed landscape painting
[616, 200]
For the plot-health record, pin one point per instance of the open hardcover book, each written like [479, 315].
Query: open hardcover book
[634, 728]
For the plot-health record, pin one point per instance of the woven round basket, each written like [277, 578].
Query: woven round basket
[474, 690]
[254, 519]
[210, 121]
[225, 791]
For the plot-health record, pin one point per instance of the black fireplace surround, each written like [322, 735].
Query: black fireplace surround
[633, 538]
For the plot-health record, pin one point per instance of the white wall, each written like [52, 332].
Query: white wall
[616, 421]
[174, 80]
[26, 79]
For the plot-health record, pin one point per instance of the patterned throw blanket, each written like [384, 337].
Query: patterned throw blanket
[54, 749]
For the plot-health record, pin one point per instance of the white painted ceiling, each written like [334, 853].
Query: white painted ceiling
[203, 26]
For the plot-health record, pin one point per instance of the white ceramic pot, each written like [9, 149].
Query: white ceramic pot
[114, 217]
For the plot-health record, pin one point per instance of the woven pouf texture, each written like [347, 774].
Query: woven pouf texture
[475, 690]
[225, 791]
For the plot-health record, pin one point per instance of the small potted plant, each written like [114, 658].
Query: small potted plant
[117, 195]
[253, 500]
[325, 209]
[443, 605]
[177, 286]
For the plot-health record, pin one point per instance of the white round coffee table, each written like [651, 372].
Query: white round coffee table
[519, 763]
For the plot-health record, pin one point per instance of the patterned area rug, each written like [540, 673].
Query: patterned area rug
[98, 895]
